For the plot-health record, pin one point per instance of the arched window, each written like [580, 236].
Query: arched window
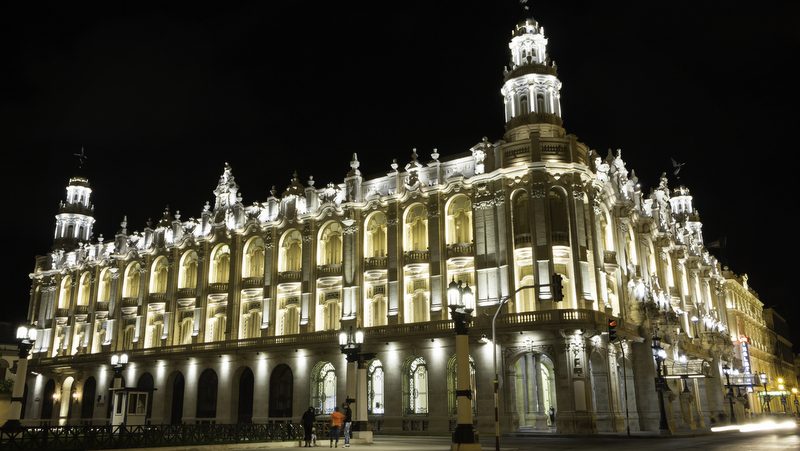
[375, 404]
[329, 244]
[415, 387]
[253, 264]
[523, 104]
[220, 264]
[559, 224]
[290, 256]
[376, 307]
[130, 288]
[87, 399]
[146, 384]
[452, 385]
[288, 314]
[188, 272]
[48, 400]
[375, 236]
[65, 294]
[207, 394]
[459, 220]
[281, 388]
[540, 104]
[158, 276]
[534, 388]
[104, 287]
[323, 387]
[245, 405]
[186, 328]
[128, 335]
[520, 220]
[416, 228]
[84, 289]
[176, 404]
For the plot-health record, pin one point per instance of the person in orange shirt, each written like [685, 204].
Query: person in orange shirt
[337, 421]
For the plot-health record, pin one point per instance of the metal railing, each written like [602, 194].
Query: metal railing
[111, 437]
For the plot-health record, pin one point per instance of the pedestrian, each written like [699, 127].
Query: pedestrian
[337, 420]
[308, 425]
[552, 415]
[348, 423]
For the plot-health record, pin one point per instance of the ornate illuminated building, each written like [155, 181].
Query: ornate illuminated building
[233, 316]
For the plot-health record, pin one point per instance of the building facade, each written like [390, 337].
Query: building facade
[233, 316]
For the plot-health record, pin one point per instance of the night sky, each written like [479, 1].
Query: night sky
[161, 96]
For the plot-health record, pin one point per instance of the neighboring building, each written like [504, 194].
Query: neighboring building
[9, 354]
[232, 317]
[782, 375]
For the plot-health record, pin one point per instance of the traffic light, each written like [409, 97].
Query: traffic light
[612, 329]
[557, 287]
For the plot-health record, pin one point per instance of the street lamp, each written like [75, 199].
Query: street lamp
[460, 300]
[350, 343]
[659, 354]
[796, 402]
[695, 319]
[763, 377]
[727, 371]
[26, 337]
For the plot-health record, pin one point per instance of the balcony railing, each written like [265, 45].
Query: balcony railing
[334, 269]
[376, 263]
[289, 276]
[560, 238]
[102, 306]
[460, 250]
[218, 287]
[81, 309]
[130, 302]
[252, 282]
[610, 257]
[157, 298]
[62, 313]
[416, 256]
[186, 292]
[523, 240]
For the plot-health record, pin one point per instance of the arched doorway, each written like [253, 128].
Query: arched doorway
[601, 392]
[281, 387]
[245, 407]
[87, 400]
[533, 383]
[207, 395]
[176, 400]
[109, 402]
[48, 400]
[145, 383]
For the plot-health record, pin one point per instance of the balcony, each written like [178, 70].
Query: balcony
[329, 270]
[186, 292]
[130, 302]
[62, 313]
[252, 282]
[416, 256]
[157, 298]
[102, 306]
[460, 250]
[289, 276]
[81, 309]
[218, 287]
[371, 263]
[523, 240]
[560, 238]
[610, 257]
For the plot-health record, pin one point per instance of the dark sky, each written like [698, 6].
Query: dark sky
[161, 96]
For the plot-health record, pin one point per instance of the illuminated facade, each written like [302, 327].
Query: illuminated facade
[232, 316]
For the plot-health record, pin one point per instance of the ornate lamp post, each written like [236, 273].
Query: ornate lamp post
[459, 299]
[763, 377]
[26, 337]
[796, 402]
[350, 344]
[727, 371]
[661, 383]
[118, 364]
[695, 319]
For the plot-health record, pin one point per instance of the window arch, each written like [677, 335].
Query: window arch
[291, 251]
[452, 385]
[559, 222]
[207, 394]
[158, 275]
[104, 287]
[375, 397]
[130, 287]
[541, 104]
[329, 244]
[416, 228]
[323, 387]
[520, 219]
[281, 389]
[375, 235]
[220, 267]
[459, 220]
[187, 278]
[415, 387]
[253, 259]
[65, 294]
[84, 289]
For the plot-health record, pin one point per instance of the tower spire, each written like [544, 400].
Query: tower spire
[75, 219]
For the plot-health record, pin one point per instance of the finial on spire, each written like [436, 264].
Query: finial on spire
[81, 157]
[524, 5]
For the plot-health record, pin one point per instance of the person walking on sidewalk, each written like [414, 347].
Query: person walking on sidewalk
[308, 425]
[337, 420]
[348, 423]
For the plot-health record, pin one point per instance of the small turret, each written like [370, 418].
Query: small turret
[75, 219]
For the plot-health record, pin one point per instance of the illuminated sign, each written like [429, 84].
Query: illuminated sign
[746, 358]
